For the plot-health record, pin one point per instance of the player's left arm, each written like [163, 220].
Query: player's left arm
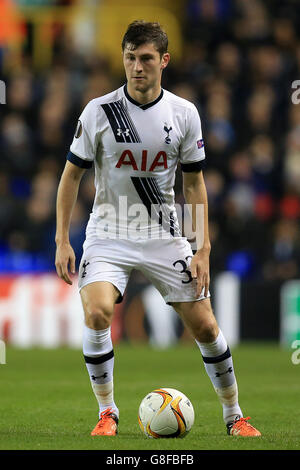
[195, 194]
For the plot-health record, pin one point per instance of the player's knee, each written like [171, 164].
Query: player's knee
[207, 331]
[98, 317]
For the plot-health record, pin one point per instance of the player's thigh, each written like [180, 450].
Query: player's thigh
[98, 301]
[102, 280]
[199, 319]
[167, 266]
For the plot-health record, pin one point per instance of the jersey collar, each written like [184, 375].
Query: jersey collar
[142, 106]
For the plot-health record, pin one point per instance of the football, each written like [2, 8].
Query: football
[166, 412]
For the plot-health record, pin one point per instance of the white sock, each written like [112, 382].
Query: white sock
[219, 367]
[99, 358]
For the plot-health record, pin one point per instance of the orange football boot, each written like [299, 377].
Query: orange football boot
[241, 427]
[107, 424]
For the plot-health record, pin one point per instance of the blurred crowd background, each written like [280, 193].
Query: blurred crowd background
[238, 61]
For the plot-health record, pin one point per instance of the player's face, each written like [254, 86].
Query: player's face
[143, 67]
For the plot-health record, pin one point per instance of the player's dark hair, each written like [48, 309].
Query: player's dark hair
[140, 32]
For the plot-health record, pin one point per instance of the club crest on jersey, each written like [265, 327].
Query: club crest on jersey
[167, 130]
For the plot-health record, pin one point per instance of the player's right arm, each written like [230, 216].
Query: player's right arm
[65, 202]
[80, 157]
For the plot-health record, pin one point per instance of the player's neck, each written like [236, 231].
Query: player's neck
[144, 97]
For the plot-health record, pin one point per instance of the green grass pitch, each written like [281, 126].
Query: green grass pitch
[47, 402]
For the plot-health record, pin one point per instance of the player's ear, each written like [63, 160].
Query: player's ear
[165, 60]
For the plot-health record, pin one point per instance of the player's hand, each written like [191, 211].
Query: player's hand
[200, 270]
[65, 261]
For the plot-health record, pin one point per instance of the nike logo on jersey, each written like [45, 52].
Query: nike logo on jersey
[127, 158]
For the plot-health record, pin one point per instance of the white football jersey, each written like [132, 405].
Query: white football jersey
[135, 150]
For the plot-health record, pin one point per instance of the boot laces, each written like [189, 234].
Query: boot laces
[243, 421]
[104, 416]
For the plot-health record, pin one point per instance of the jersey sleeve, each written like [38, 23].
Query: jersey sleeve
[83, 148]
[192, 154]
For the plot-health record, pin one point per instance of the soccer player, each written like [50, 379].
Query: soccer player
[135, 136]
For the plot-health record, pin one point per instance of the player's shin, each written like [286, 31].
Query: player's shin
[219, 367]
[99, 358]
